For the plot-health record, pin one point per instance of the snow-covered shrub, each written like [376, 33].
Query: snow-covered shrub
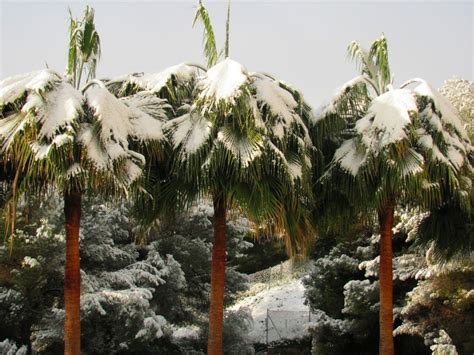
[9, 347]
[443, 345]
[444, 301]
[31, 273]
[343, 289]
[460, 92]
[325, 285]
[235, 333]
[189, 240]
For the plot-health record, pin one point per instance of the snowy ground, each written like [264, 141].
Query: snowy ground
[285, 306]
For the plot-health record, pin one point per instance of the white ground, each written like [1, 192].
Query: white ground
[289, 315]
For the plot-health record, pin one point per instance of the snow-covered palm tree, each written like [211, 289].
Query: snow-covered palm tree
[404, 145]
[244, 144]
[53, 134]
[239, 138]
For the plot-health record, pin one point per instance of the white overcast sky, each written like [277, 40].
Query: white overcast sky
[301, 42]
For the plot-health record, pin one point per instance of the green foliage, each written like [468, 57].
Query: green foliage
[84, 47]
[209, 39]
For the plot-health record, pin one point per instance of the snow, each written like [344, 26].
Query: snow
[51, 105]
[349, 157]
[113, 116]
[188, 332]
[132, 172]
[223, 82]
[329, 107]
[61, 107]
[448, 113]
[155, 82]
[148, 111]
[278, 100]
[281, 298]
[190, 131]
[387, 118]
[455, 157]
[74, 170]
[296, 170]
[13, 87]
[95, 152]
[29, 262]
[152, 328]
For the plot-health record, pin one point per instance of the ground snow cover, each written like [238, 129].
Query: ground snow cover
[285, 305]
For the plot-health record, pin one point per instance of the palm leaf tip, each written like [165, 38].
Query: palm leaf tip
[209, 40]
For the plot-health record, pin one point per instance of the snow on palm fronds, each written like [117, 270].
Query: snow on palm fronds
[44, 112]
[41, 106]
[242, 113]
[156, 82]
[244, 135]
[172, 78]
[149, 113]
[406, 141]
[189, 131]
[421, 123]
[222, 84]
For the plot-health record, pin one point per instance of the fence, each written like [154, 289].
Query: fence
[281, 324]
[290, 269]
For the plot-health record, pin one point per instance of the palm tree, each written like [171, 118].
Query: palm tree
[244, 144]
[75, 140]
[395, 146]
[238, 138]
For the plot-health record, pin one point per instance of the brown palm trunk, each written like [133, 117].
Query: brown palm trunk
[216, 310]
[386, 217]
[72, 276]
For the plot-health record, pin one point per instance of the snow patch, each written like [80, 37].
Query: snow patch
[288, 299]
[223, 82]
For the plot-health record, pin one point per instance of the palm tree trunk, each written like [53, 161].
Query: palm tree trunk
[216, 310]
[386, 218]
[72, 276]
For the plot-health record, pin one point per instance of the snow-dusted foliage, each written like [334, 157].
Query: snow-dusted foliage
[443, 345]
[43, 111]
[344, 290]
[190, 243]
[154, 82]
[127, 289]
[441, 304]
[460, 93]
[244, 116]
[222, 84]
[9, 347]
[413, 116]
[189, 131]
[117, 284]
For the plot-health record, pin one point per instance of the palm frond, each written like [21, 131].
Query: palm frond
[209, 40]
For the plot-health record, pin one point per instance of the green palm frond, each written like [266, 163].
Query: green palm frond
[209, 40]
[379, 55]
[363, 58]
[84, 47]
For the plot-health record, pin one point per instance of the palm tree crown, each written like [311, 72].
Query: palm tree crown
[406, 142]
[67, 136]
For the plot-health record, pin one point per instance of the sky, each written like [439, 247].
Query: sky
[301, 42]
